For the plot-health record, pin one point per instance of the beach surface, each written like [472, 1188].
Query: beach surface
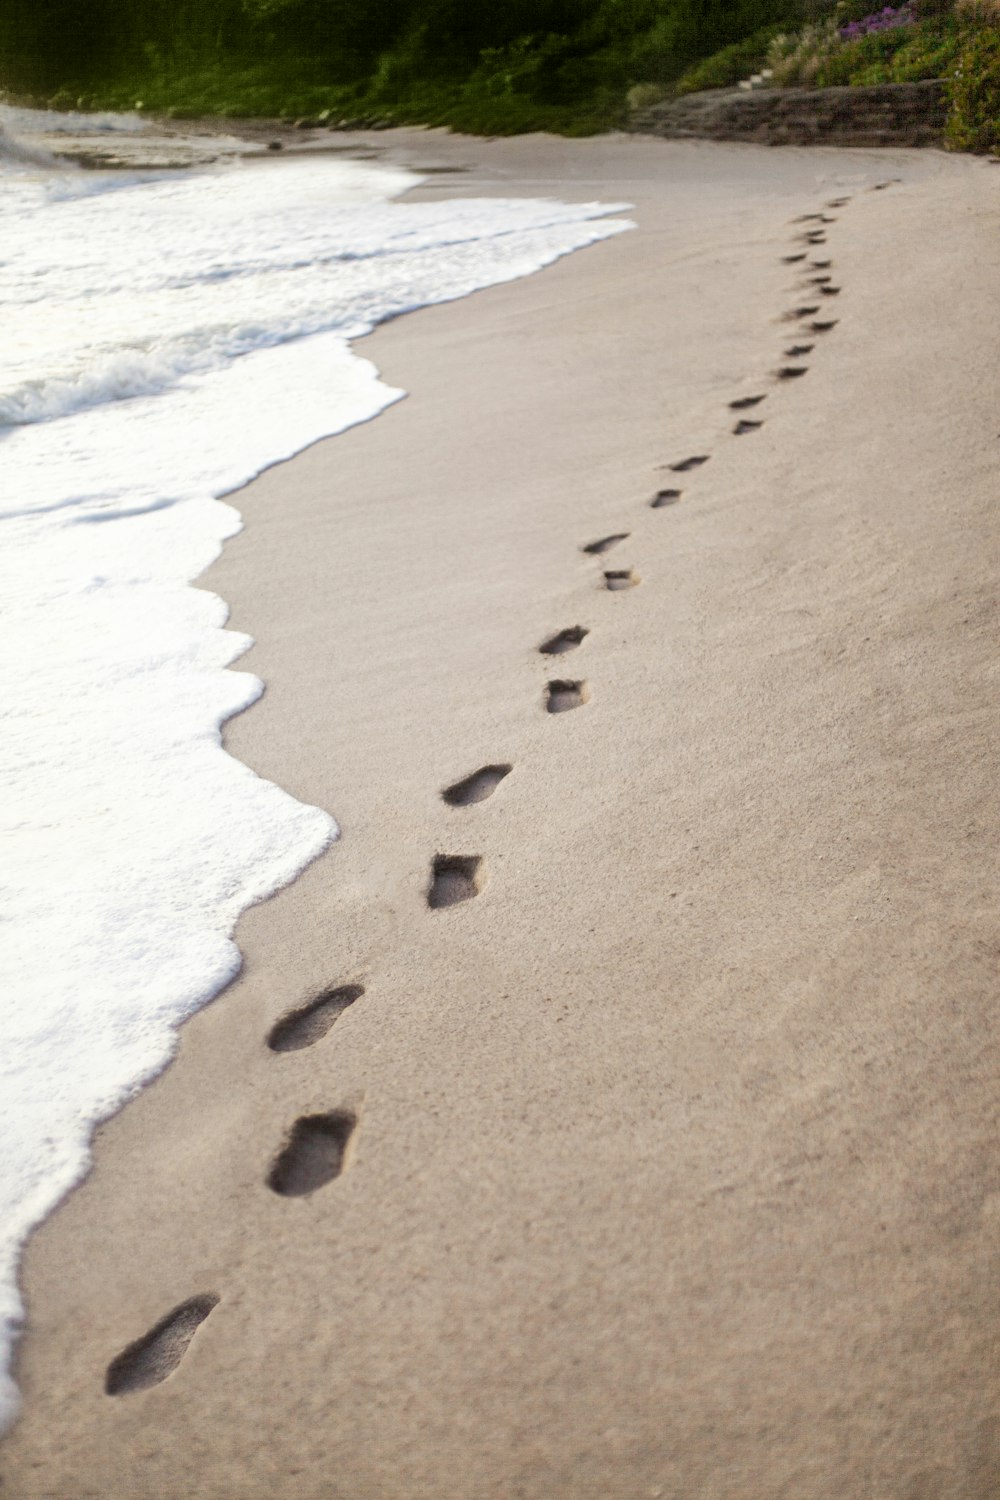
[665, 1166]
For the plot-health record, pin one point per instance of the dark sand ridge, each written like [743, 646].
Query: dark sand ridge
[666, 1165]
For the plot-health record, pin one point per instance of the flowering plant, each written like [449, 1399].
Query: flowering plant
[881, 20]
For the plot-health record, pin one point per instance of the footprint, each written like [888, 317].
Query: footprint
[821, 265]
[621, 578]
[564, 640]
[665, 497]
[743, 426]
[477, 787]
[799, 312]
[454, 878]
[813, 237]
[823, 327]
[798, 350]
[158, 1353]
[838, 202]
[790, 260]
[561, 696]
[310, 1023]
[829, 291]
[743, 402]
[699, 458]
[820, 280]
[314, 1154]
[809, 219]
[605, 543]
[792, 372]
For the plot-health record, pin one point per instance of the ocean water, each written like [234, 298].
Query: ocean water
[165, 338]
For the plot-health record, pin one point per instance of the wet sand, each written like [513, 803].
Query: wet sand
[631, 1127]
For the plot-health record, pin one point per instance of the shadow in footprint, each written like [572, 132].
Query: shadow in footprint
[838, 202]
[310, 1023]
[692, 463]
[792, 372]
[454, 878]
[791, 260]
[564, 640]
[743, 402]
[621, 578]
[799, 312]
[820, 280]
[798, 351]
[829, 291]
[605, 543]
[823, 327]
[562, 695]
[477, 787]
[314, 1153]
[665, 497]
[821, 265]
[158, 1353]
[743, 426]
[809, 219]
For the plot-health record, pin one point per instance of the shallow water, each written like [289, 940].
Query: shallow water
[166, 337]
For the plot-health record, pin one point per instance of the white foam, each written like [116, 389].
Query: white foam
[164, 342]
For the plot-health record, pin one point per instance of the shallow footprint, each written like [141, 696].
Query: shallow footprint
[792, 372]
[829, 291]
[562, 695]
[820, 281]
[692, 463]
[310, 1023]
[799, 312]
[791, 260]
[564, 640]
[823, 327]
[798, 351]
[821, 265]
[605, 543]
[314, 1153]
[665, 497]
[838, 202]
[743, 426]
[158, 1353]
[477, 787]
[454, 878]
[743, 402]
[621, 578]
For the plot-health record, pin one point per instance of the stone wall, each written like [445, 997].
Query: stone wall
[889, 114]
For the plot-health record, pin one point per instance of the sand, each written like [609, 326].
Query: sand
[664, 1165]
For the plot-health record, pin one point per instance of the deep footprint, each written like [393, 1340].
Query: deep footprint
[743, 426]
[454, 878]
[605, 543]
[477, 787]
[158, 1353]
[823, 327]
[665, 497]
[693, 463]
[621, 578]
[564, 640]
[562, 695]
[792, 372]
[798, 351]
[743, 402]
[310, 1023]
[314, 1154]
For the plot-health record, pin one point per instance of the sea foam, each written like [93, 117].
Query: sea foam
[166, 337]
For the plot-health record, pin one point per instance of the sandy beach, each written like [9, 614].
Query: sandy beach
[666, 1166]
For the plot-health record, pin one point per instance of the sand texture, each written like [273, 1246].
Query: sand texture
[656, 1156]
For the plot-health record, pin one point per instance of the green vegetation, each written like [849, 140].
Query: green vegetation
[573, 66]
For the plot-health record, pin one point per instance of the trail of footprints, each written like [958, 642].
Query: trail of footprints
[318, 1147]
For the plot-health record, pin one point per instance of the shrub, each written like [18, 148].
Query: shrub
[728, 66]
[974, 92]
[799, 58]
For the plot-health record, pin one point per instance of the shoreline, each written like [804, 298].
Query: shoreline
[668, 1163]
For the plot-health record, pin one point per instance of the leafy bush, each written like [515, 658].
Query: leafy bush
[729, 65]
[974, 92]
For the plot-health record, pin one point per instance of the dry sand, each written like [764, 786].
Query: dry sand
[676, 1170]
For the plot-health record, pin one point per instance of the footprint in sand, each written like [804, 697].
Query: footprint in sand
[743, 402]
[605, 543]
[743, 426]
[310, 1023]
[158, 1353]
[829, 291]
[564, 640]
[477, 787]
[821, 265]
[562, 695]
[838, 202]
[314, 1154]
[692, 463]
[819, 280]
[823, 327]
[454, 878]
[621, 578]
[798, 351]
[665, 497]
[792, 372]
[799, 312]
